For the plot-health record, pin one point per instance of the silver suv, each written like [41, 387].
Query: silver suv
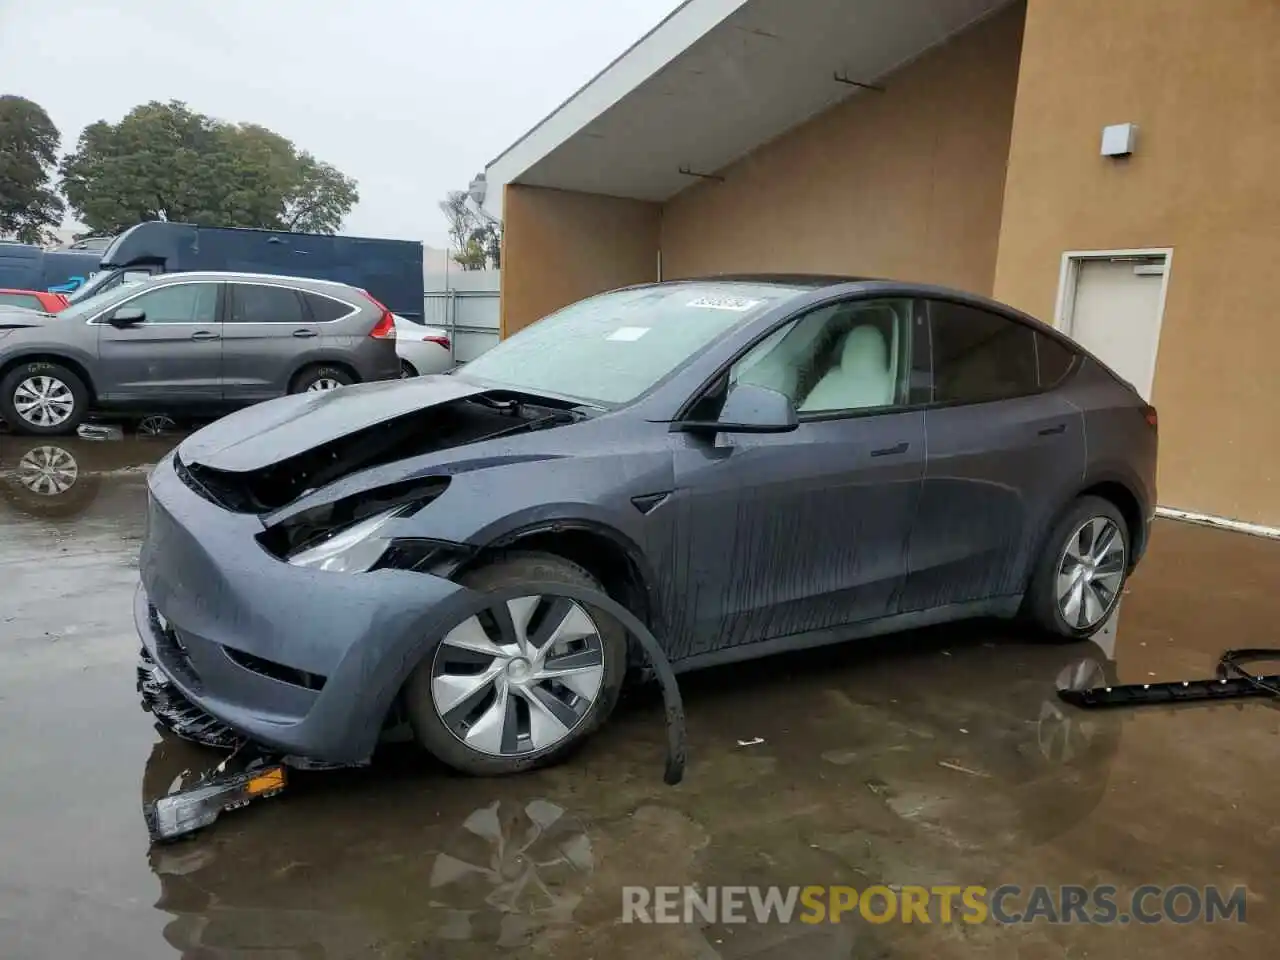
[189, 342]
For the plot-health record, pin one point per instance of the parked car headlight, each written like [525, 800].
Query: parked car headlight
[352, 550]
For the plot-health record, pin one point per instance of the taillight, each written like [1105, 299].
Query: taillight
[1149, 414]
[443, 341]
[385, 328]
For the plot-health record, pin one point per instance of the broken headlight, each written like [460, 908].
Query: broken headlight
[353, 549]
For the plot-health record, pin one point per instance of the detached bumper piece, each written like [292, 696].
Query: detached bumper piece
[243, 777]
[250, 773]
[1232, 681]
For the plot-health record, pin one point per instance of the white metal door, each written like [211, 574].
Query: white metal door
[1115, 314]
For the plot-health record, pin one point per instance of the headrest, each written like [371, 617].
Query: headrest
[864, 351]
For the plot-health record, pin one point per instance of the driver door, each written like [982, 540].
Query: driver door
[173, 355]
[785, 534]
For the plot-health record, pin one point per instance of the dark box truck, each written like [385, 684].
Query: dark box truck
[390, 270]
[24, 267]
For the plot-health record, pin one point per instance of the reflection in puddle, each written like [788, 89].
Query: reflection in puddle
[503, 874]
[928, 760]
[511, 871]
[47, 471]
[61, 478]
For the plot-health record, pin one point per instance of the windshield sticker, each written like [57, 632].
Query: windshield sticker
[736, 304]
[628, 333]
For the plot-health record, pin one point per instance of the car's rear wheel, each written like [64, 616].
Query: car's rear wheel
[521, 687]
[407, 370]
[41, 398]
[320, 379]
[1081, 571]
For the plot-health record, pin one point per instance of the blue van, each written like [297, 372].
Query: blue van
[25, 267]
[390, 270]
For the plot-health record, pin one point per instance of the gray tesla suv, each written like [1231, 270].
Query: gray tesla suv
[746, 465]
[189, 342]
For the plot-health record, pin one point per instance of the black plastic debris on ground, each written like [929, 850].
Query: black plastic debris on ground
[1231, 681]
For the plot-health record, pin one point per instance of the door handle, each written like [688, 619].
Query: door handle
[205, 335]
[1054, 430]
[892, 451]
[302, 334]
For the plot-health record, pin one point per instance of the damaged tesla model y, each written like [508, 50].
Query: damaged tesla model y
[749, 465]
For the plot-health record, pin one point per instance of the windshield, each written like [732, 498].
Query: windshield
[93, 286]
[609, 349]
[81, 308]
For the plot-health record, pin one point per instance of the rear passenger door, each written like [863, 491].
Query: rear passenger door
[1004, 450]
[268, 330]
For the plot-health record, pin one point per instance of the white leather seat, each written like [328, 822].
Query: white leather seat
[862, 378]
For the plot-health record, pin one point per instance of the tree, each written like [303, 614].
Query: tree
[476, 237]
[321, 197]
[29, 205]
[164, 161]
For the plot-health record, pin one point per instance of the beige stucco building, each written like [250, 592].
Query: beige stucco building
[958, 142]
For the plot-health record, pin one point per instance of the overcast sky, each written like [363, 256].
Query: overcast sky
[410, 97]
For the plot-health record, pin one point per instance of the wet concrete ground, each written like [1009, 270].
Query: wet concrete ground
[934, 758]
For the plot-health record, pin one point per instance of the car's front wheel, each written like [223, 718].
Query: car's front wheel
[41, 398]
[1081, 571]
[522, 686]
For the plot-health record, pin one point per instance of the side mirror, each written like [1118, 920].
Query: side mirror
[749, 409]
[126, 317]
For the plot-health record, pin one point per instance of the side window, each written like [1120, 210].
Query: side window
[1054, 360]
[848, 356]
[980, 356]
[259, 303]
[326, 309]
[180, 303]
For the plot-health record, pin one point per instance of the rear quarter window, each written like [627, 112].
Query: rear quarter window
[1054, 360]
[326, 309]
[980, 356]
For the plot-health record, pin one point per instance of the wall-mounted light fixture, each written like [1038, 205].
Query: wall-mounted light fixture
[1119, 139]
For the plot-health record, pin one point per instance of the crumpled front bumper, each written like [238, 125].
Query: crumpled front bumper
[304, 663]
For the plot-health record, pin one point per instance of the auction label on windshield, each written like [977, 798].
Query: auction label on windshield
[736, 304]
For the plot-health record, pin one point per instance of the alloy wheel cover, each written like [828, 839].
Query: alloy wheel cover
[44, 401]
[518, 678]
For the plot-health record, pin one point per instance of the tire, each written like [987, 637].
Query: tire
[407, 370]
[320, 378]
[438, 736]
[54, 380]
[1045, 604]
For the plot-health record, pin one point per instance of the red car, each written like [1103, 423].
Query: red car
[33, 300]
